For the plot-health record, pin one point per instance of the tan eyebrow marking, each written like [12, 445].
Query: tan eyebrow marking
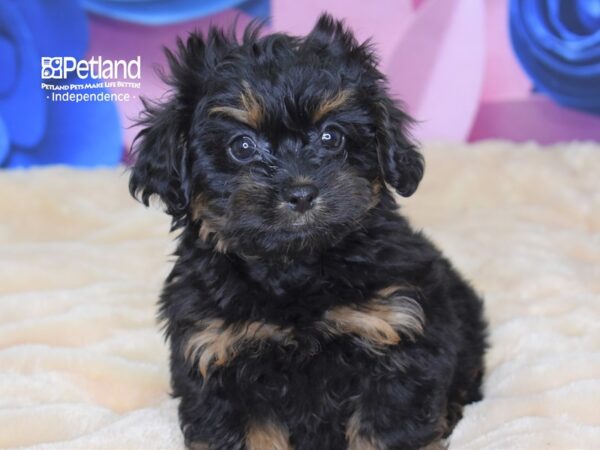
[250, 111]
[331, 104]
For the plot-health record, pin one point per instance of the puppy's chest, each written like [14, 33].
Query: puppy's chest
[349, 335]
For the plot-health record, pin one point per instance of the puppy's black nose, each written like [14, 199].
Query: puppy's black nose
[300, 197]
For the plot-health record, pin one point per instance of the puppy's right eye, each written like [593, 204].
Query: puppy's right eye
[242, 149]
[332, 138]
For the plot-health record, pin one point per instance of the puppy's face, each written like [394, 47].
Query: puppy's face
[285, 163]
[274, 145]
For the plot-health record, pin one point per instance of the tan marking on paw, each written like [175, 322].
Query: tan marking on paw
[267, 436]
[379, 322]
[436, 445]
[250, 111]
[198, 446]
[331, 104]
[215, 344]
[356, 439]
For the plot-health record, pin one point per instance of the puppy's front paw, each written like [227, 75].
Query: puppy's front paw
[197, 446]
[436, 445]
[267, 435]
[264, 435]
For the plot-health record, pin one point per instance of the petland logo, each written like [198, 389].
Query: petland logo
[67, 79]
[61, 67]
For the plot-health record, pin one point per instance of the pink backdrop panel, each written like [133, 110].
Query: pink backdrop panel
[504, 78]
[384, 20]
[437, 69]
[535, 118]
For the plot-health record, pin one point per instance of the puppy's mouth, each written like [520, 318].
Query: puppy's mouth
[291, 220]
[286, 233]
[302, 221]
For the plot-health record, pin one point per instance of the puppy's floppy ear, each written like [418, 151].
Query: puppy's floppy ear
[161, 159]
[401, 164]
[161, 148]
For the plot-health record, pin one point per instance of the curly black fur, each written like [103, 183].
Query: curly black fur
[338, 327]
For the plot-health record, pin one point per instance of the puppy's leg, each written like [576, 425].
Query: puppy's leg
[209, 415]
[469, 369]
[398, 413]
[210, 421]
[214, 416]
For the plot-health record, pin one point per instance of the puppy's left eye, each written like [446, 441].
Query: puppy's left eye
[242, 149]
[332, 138]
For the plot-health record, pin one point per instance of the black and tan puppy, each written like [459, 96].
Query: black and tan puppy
[303, 312]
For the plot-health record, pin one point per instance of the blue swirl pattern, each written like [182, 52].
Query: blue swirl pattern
[558, 44]
[33, 129]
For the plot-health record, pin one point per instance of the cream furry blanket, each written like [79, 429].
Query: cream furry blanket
[83, 366]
